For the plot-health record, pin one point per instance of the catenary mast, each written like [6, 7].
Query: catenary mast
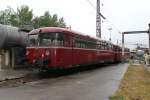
[98, 20]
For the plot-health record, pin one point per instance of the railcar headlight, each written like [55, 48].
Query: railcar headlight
[33, 61]
[42, 55]
[27, 52]
[47, 52]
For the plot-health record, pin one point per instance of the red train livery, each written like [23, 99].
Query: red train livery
[60, 48]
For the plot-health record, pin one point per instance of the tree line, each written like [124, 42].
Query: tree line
[24, 16]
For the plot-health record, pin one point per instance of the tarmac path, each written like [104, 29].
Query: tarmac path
[96, 84]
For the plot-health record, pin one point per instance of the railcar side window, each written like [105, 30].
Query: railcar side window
[104, 44]
[82, 43]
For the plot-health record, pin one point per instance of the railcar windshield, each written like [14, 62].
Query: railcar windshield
[51, 39]
[48, 39]
[33, 40]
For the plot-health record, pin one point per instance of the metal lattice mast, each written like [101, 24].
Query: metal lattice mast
[98, 20]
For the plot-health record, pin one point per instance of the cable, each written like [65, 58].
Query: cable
[103, 16]
[91, 4]
[114, 26]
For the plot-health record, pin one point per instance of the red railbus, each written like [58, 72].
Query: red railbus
[126, 53]
[118, 53]
[60, 48]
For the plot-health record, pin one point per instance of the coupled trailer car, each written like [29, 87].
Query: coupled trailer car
[60, 48]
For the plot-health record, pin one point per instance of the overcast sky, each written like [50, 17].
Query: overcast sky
[126, 15]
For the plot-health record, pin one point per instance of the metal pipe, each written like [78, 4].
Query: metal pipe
[10, 36]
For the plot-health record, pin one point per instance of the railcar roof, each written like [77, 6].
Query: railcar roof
[54, 29]
[58, 29]
[48, 29]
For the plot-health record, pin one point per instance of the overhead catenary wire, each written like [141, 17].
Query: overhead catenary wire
[114, 26]
[91, 4]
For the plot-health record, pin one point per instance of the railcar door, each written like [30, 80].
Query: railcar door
[77, 53]
[68, 50]
[63, 51]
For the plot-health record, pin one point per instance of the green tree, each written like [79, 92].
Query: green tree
[48, 20]
[5, 16]
[61, 22]
[14, 20]
[25, 15]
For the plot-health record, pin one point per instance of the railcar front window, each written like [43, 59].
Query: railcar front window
[33, 40]
[51, 39]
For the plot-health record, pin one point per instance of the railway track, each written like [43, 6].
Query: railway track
[13, 82]
[35, 76]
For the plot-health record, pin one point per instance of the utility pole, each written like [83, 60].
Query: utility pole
[98, 20]
[149, 38]
[122, 44]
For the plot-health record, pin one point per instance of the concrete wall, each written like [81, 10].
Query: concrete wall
[0, 62]
[11, 58]
[4, 59]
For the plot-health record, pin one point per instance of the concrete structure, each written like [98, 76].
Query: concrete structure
[11, 57]
[4, 59]
[12, 45]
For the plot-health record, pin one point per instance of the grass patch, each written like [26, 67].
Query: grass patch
[116, 98]
[135, 85]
